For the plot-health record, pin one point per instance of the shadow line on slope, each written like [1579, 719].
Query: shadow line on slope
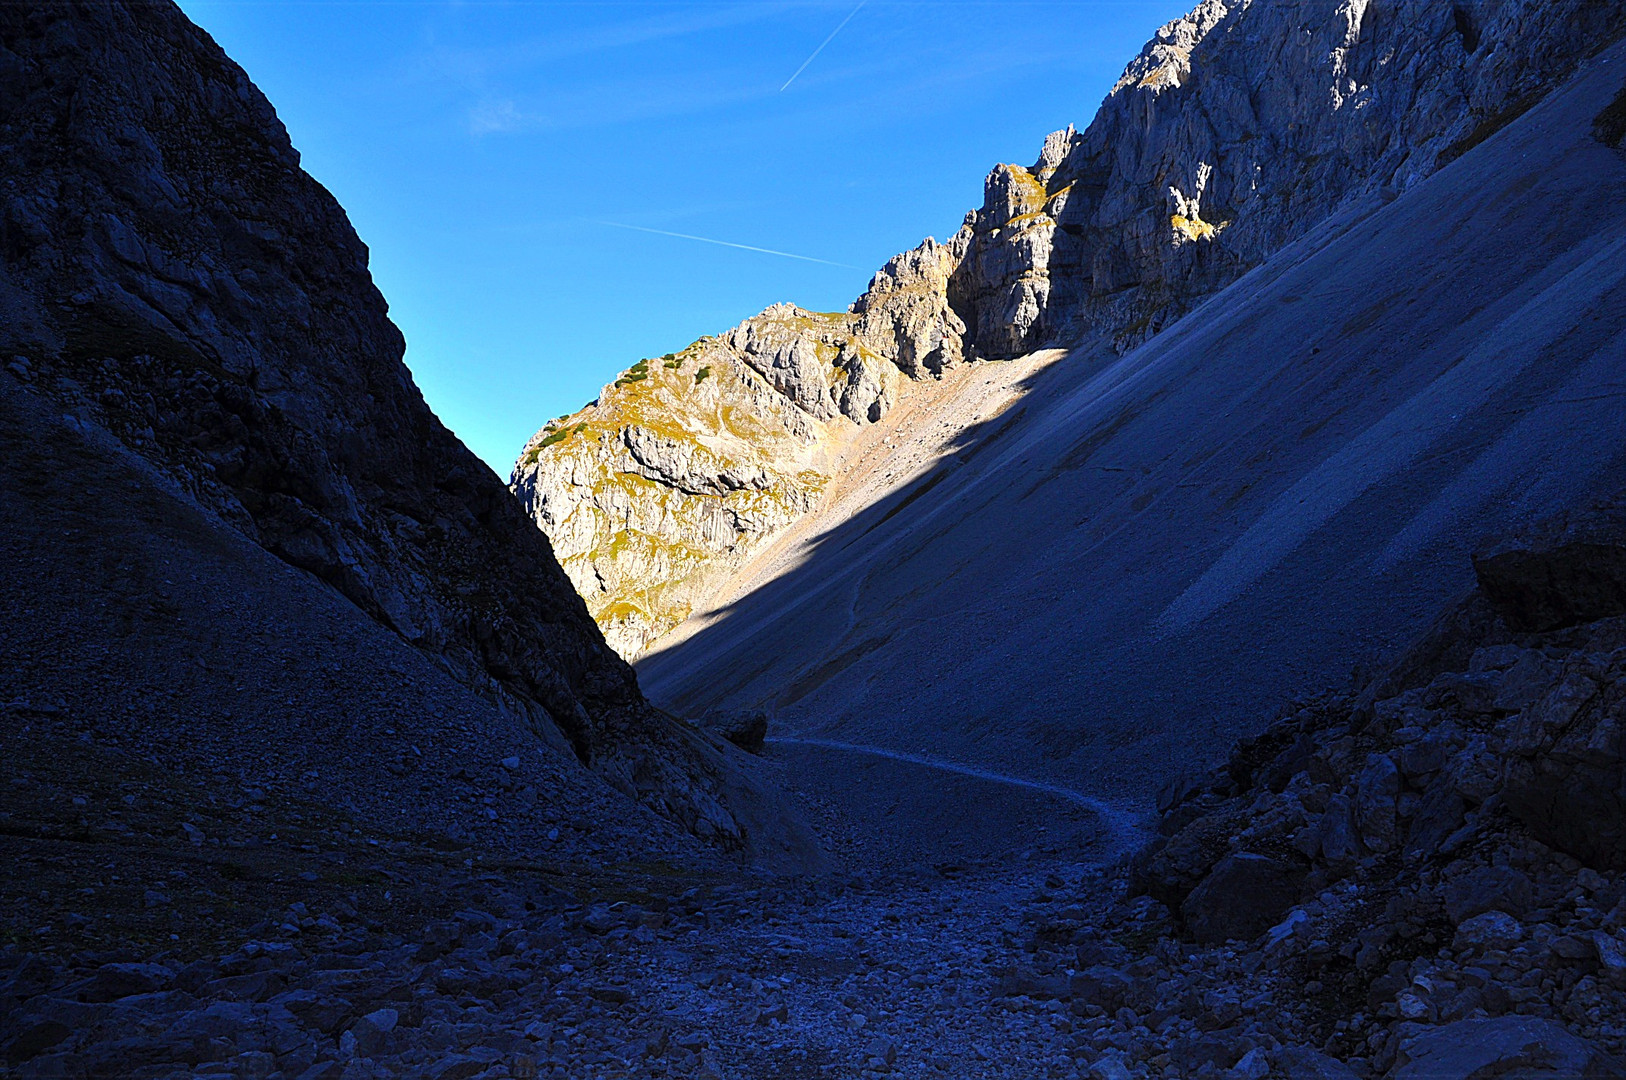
[823, 565]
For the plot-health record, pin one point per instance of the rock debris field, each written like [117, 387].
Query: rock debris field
[1390, 884]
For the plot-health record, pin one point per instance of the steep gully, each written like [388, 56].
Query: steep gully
[269, 831]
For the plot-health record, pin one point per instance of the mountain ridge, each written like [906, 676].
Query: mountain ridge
[1236, 129]
[1003, 603]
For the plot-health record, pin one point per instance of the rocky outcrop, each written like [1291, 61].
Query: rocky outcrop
[1448, 852]
[1237, 130]
[172, 276]
[685, 462]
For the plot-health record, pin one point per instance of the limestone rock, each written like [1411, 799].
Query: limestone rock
[689, 462]
[1237, 130]
[905, 313]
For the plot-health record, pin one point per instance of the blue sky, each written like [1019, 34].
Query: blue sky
[493, 155]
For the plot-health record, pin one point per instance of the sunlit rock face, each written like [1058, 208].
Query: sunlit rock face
[1237, 130]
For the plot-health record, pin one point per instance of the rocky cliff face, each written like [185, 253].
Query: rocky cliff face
[172, 275]
[688, 462]
[1235, 131]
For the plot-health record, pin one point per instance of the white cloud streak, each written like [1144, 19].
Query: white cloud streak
[727, 243]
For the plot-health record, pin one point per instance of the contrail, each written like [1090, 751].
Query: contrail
[822, 44]
[725, 243]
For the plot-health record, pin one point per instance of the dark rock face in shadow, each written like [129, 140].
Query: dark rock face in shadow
[168, 263]
[1571, 570]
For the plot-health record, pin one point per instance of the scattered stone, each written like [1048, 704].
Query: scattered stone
[1302, 1063]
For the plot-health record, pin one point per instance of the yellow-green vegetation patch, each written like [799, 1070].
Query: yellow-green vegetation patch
[700, 376]
[637, 373]
[558, 436]
[621, 611]
[1193, 228]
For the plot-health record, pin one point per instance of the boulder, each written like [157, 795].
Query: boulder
[372, 1031]
[1375, 802]
[1492, 931]
[1102, 985]
[1508, 1046]
[1545, 588]
[1242, 897]
[114, 981]
[1302, 1063]
[1440, 814]
[1025, 982]
[1489, 888]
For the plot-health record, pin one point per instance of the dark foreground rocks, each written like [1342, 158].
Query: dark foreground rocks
[1366, 890]
[1437, 865]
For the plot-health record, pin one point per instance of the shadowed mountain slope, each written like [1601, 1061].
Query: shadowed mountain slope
[1108, 579]
[178, 287]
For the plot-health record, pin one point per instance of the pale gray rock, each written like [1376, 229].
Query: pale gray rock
[905, 314]
[1492, 930]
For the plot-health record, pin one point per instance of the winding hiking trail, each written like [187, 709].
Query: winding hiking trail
[1124, 826]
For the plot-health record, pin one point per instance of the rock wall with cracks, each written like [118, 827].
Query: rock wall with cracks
[165, 256]
[1236, 130]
